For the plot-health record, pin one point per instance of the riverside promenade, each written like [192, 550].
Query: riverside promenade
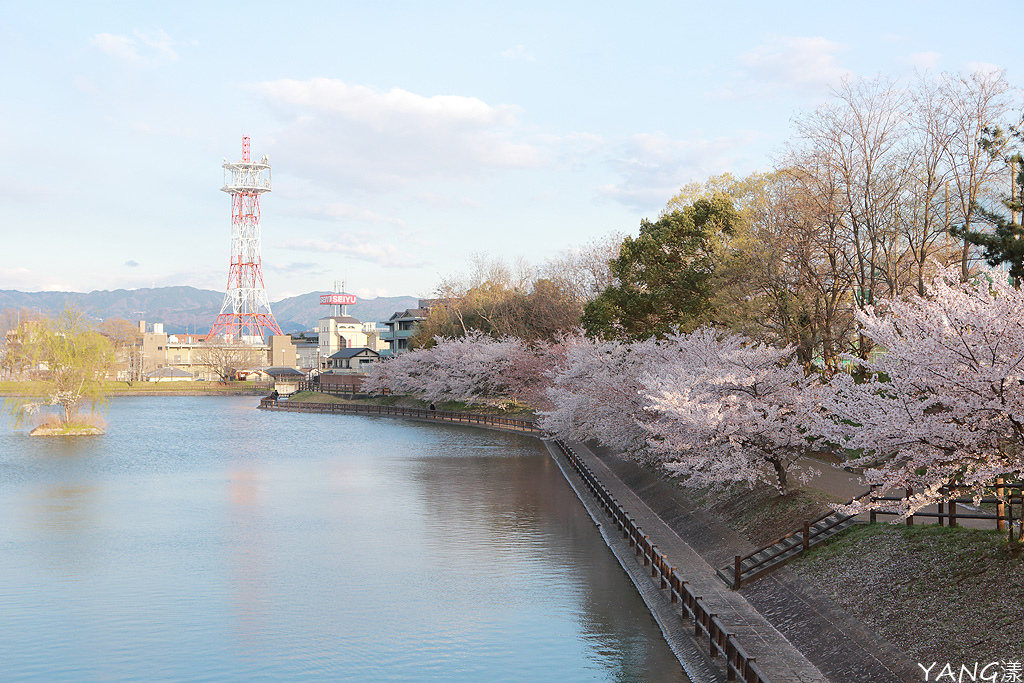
[795, 633]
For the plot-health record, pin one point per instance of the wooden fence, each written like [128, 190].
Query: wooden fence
[512, 423]
[706, 625]
[750, 567]
[950, 512]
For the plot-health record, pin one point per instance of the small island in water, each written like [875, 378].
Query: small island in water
[66, 429]
[72, 360]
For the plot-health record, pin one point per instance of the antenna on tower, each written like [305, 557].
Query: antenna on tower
[245, 315]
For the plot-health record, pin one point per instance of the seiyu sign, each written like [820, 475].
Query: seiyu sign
[337, 299]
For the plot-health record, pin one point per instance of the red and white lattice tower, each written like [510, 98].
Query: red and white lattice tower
[245, 315]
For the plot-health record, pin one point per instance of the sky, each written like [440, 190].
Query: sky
[406, 137]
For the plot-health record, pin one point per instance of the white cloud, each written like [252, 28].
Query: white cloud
[443, 201]
[14, 189]
[362, 248]
[794, 63]
[357, 137]
[518, 54]
[145, 49]
[339, 211]
[295, 268]
[925, 60]
[983, 68]
[25, 280]
[86, 85]
[120, 47]
[370, 292]
[162, 131]
[652, 167]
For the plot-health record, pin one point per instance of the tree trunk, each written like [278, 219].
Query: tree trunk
[780, 475]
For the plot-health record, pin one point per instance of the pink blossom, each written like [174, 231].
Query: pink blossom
[725, 409]
[947, 403]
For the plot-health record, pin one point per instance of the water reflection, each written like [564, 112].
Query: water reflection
[516, 514]
[342, 548]
[62, 508]
[248, 558]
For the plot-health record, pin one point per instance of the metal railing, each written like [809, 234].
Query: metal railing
[706, 625]
[517, 424]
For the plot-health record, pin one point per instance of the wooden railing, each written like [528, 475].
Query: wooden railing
[792, 545]
[706, 625]
[1002, 518]
[349, 389]
[417, 413]
[784, 550]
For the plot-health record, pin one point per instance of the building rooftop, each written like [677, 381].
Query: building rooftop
[285, 373]
[342, 319]
[410, 314]
[351, 353]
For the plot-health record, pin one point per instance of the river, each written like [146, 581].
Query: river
[203, 540]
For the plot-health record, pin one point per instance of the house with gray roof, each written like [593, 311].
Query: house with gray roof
[352, 361]
[404, 324]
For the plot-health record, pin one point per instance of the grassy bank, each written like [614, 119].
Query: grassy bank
[761, 514]
[939, 594]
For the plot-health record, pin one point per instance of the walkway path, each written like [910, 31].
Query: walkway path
[778, 617]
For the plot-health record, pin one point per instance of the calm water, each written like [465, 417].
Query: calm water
[203, 540]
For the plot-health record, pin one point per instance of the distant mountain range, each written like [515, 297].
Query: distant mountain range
[187, 309]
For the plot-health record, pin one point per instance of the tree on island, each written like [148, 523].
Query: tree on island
[71, 359]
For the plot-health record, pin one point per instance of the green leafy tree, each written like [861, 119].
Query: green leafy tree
[664, 276]
[72, 359]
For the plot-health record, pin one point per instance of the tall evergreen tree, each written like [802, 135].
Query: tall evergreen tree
[1005, 242]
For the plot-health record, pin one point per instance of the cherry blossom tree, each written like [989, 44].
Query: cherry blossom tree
[475, 368]
[399, 374]
[724, 409]
[595, 393]
[531, 367]
[945, 403]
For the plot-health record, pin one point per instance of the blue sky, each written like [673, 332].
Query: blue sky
[406, 136]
